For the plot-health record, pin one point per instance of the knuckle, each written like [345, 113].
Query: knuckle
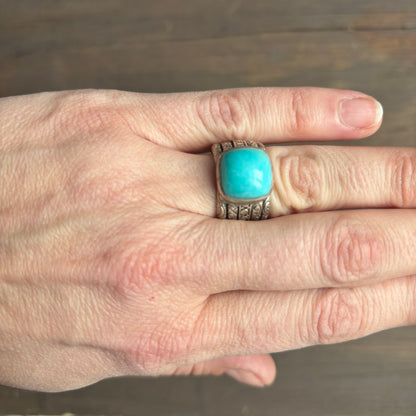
[350, 252]
[95, 187]
[143, 265]
[162, 349]
[96, 179]
[403, 179]
[85, 110]
[153, 351]
[337, 315]
[159, 258]
[223, 111]
[298, 113]
[299, 182]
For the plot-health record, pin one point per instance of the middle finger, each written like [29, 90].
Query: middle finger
[312, 178]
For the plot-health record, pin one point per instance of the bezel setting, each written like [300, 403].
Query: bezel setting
[236, 208]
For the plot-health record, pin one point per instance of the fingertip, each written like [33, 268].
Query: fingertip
[246, 377]
[262, 372]
[363, 114]
[379, 112]
[268, 373]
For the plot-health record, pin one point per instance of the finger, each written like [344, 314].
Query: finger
[193, 121]
[259, 322]
[256, 370]
[320, 178]
[333, 249]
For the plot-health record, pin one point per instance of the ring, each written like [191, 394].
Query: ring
[244, 180]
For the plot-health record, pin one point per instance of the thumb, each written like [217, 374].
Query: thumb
[256, 370]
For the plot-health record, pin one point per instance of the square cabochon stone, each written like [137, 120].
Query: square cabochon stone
[245, 173]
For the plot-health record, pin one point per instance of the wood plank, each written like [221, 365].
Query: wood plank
[104, 21]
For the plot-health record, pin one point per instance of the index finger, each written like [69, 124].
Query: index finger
[194, 121]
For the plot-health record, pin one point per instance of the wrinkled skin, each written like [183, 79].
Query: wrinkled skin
[112, 263]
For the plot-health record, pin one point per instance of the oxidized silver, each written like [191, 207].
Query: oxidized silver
[238, 209]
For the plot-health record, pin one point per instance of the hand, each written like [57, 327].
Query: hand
[111, 260]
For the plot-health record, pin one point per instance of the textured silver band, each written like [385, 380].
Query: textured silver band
[237, 209]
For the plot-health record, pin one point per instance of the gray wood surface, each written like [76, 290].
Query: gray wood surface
[179, 45]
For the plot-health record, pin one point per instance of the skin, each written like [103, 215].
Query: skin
[112, 263]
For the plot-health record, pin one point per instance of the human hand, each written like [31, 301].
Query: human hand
[111, 262]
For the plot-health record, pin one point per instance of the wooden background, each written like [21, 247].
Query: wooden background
[178, 45]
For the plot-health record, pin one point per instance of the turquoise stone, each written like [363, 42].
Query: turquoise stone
[245, 173]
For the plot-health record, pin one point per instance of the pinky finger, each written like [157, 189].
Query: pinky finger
[255, 370]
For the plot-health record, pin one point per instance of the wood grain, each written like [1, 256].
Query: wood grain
[180, 45]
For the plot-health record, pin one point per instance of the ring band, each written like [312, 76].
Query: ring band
[244, 180]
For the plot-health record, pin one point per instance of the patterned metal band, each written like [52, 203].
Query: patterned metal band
[237, 209]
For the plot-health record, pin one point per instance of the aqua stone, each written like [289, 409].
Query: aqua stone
[245, 173]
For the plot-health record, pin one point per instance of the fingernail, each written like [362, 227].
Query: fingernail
[360, 113]
[245, 376]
